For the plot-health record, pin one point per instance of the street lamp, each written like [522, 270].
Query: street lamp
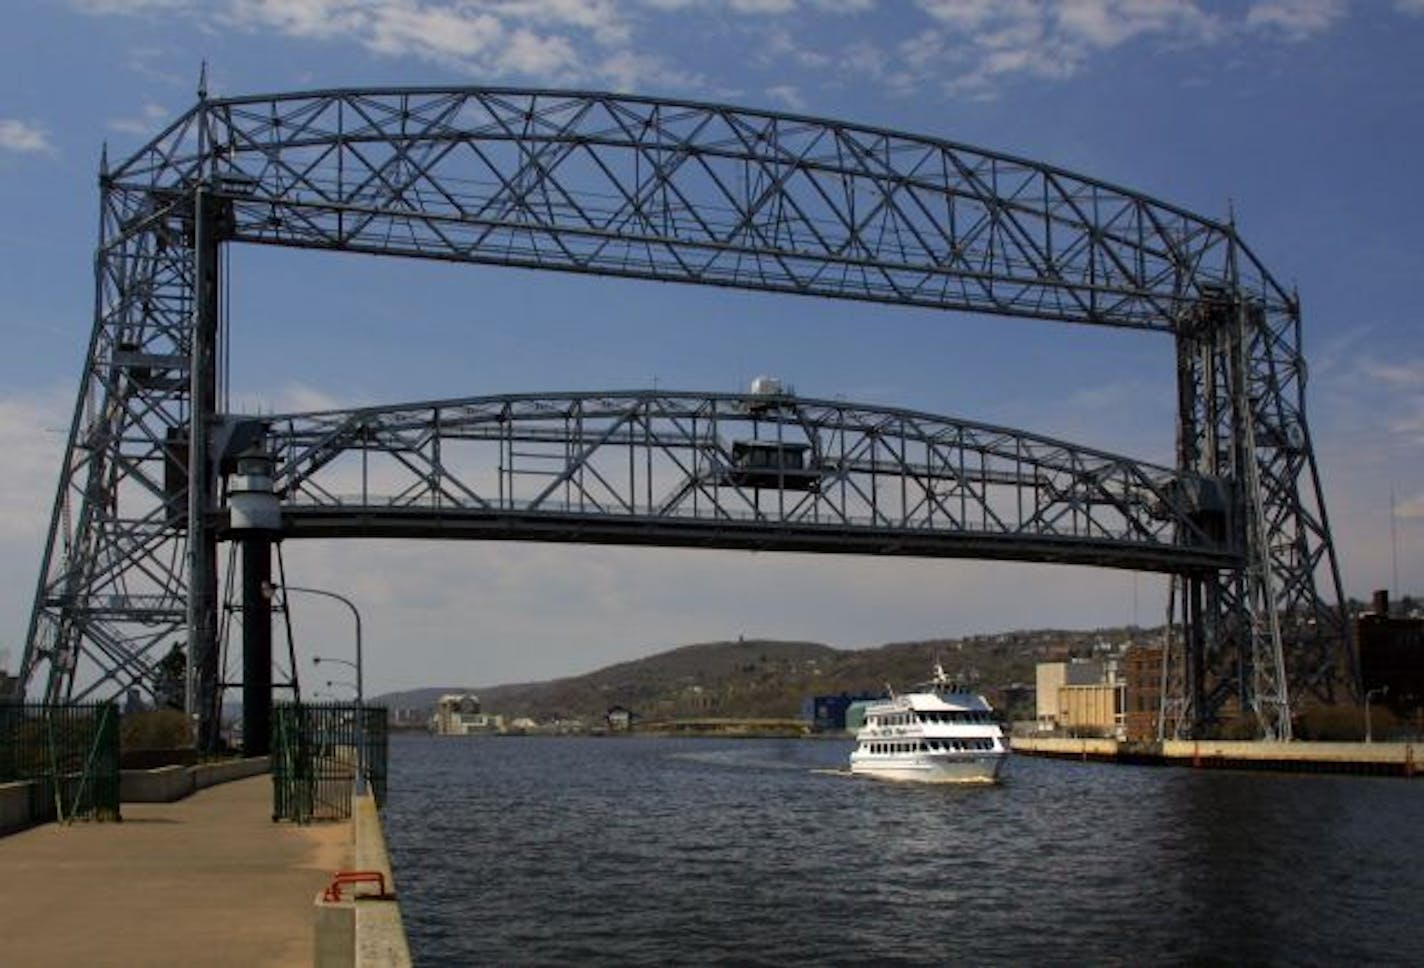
[1369, 733]
[319, 659]
[269, 590]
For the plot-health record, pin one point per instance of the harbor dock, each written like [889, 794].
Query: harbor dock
[1391, 759]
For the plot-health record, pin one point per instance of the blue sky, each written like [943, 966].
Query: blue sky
[1304, 117]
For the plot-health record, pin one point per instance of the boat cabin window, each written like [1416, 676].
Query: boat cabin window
[956, 716]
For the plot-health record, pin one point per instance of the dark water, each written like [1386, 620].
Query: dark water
[658, 851]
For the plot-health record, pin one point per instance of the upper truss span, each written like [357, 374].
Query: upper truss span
[762, 472]
[691, 192]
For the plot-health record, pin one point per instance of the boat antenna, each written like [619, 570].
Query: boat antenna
[941, 680]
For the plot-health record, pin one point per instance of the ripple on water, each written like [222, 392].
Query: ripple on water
[697, 851]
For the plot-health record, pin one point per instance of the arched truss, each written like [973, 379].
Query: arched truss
[752, 471]
[682, 192]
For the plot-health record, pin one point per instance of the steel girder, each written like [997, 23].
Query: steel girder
[653, 467]
[676, 191]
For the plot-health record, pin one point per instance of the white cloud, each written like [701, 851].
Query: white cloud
[1414, 8]
[291, 398]
[1055, 41]
[959, 47]
[788, 95]
[433, 34]
[130, 6]
[23, 136]
[536, 55]
[146, 122]
[780, 45]
[630, 70]
[33, 430]
[763, 6]
[563, 41]
[963, 14]
[1295, 19]
[1403, 374]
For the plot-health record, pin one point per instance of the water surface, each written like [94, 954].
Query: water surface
[700, 851]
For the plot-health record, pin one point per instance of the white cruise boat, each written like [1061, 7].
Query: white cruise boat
[938, 734]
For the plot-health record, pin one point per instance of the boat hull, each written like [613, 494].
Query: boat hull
[979, 768]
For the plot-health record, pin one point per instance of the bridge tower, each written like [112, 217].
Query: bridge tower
[683, 192]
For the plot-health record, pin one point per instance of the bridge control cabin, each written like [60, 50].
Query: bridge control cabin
[772, 464]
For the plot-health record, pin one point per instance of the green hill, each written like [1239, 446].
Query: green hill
[758, 678]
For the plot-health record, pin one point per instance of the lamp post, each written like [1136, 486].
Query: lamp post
[343, 683]
[319, 659]
[268, 589]
[1369, 733]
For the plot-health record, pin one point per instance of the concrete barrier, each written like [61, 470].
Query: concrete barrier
[169, 783]
[162, 785]
[1401, 758]
[30, 802]
[360, 930]
[1394, 759]
[17, 806]
[211, 774]
[1066, 747]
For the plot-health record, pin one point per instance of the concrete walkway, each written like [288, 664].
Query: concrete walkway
[209, 880]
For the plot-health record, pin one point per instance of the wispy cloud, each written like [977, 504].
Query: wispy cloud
[24, 137]
[1400, 374]
[292, 398]
[33, 428]
[566, 41]
[149, 117]
[973, 48]
[130, 6]
[1295, 19]
[788, 95]
[977, 44]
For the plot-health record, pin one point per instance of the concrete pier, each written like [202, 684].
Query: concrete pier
[209, 880]
[1394, 759]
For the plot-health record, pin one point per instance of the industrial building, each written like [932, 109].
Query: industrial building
[1142, 691]
[1082, 696]
[1392, 656]
[459, 714]
[827, 714]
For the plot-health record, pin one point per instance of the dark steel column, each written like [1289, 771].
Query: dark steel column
[202, 538]
[256, 644]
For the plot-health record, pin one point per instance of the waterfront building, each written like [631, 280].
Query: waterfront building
[1392, 656]
[1142, 691]
[1081, 696]
[459, 714]
[827, 714]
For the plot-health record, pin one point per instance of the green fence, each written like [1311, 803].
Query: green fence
[70, 753]
[317, 750]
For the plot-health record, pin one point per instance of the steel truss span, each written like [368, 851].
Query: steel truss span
[682, 192]
[754, 471]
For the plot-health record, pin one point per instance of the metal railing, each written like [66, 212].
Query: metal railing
[69, 753]
[318, 751]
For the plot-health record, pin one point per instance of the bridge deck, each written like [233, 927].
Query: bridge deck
[209, 880]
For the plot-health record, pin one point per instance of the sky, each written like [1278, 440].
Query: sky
[1302, 118]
